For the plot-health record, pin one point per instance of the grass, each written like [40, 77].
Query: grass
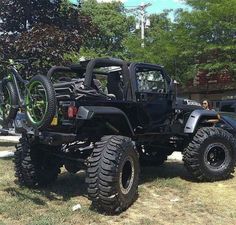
[167, 195]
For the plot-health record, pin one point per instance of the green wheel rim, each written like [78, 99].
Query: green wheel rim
[36, 102]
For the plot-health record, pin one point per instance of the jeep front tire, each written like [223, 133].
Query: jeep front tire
[210, 156]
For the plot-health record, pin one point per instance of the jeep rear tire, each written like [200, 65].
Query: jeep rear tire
[211, 154]
[33, 166]
[113, 174]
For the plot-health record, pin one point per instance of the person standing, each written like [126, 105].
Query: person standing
[206, 104]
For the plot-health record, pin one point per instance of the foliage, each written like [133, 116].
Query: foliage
[55, 31]
[203, 37]
[160, 43]
[113, 26]
[207, 34]
[43, 29]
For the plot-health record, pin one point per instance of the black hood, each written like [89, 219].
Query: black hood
[187, 104]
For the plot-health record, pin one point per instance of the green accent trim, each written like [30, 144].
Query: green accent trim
[36, 103]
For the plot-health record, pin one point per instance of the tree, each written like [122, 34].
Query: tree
[160, 44]
[203, 38]
[113, 26]
[207, 36]
[43, 29]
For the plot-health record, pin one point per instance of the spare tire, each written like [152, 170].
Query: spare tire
[40, 102]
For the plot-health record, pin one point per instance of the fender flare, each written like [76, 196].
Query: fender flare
[89, 112]
[194, 118]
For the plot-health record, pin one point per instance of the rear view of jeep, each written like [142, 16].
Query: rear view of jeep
[111, 117]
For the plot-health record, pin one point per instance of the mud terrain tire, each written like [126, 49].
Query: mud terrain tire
[33, 167]
[49, 102]
[113, 174]
[211, 154]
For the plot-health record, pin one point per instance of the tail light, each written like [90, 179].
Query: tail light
[71, 112]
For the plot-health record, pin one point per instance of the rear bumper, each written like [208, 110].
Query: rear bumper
[55, 138]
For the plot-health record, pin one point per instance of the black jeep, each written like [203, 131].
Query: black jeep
[111, 116]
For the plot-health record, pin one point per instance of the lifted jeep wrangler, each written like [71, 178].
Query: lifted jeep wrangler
[111, 116]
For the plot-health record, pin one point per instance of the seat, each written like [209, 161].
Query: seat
[114, 85]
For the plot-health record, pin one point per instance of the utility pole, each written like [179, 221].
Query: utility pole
[143, 21]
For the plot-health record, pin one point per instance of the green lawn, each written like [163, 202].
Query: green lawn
[167, 195]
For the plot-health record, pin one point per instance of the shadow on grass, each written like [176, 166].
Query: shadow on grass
[67, 186]
[7, 158]
[167, 170]
[8, 144]
[63, 189]
[22, 196]
[72, 185]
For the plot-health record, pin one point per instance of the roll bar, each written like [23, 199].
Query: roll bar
[55, 69]
[103, 62]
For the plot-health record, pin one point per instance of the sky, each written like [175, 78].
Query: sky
[156, 7]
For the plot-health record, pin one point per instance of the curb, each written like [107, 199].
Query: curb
[6, 154]
[9, 140]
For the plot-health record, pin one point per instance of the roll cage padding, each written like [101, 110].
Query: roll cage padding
[89, 112]
[195, 118]
[70, 68]
[55, 69]
[96, 63]
[104, 62]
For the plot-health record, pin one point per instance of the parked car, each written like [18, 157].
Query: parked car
[228, 106]
[227, 122]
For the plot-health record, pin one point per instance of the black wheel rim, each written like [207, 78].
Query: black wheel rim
[216, 156]
[127, 175]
